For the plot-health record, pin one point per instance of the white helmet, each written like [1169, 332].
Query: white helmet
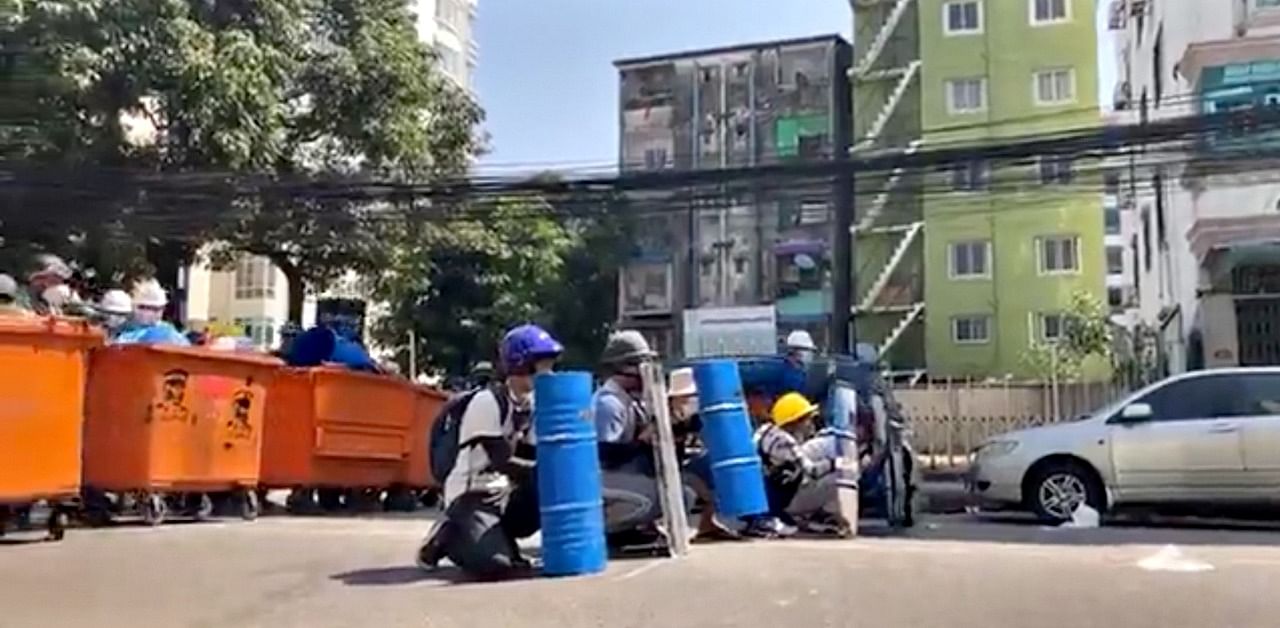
[116, 302]
[800, 339]
[149, 294]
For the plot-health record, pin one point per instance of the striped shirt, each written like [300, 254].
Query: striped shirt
[782, 454]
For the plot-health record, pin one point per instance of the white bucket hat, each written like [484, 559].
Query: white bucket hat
[680, 383]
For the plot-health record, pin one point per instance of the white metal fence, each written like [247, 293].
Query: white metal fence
[949, 419]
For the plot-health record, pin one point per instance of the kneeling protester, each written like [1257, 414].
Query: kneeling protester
[490, 490]
[800, 479]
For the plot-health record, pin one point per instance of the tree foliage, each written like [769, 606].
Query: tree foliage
[457, 284]
[278, 87]
[1086, 333]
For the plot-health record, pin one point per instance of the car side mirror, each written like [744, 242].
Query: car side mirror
[1136, 413]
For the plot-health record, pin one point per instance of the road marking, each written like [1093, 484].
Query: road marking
[1170, 558]
[642, 569]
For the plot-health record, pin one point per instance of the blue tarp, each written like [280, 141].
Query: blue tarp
[158, 334]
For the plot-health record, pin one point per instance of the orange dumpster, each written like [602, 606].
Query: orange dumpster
[163, 421]
[334, 428]
[42, 374]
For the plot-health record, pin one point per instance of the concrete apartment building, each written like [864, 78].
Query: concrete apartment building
[1205, 230]
[985, 255]
[743, 243]
[252, 295]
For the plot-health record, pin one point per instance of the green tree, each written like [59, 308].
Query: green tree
[1087, 333]
[288, 88]
[583, 304]
[460, 281]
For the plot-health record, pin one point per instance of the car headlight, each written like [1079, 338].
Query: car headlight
[997, 448]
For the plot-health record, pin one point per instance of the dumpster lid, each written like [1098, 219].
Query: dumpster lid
[258, 359]
[58, 325]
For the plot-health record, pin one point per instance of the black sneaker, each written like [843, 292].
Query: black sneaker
[768, 528]
[431, 551]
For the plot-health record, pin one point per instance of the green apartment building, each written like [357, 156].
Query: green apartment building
[1005, 244]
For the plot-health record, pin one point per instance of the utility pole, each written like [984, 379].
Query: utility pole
[842, 336]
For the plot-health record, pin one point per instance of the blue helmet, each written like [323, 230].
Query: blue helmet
[525, 345]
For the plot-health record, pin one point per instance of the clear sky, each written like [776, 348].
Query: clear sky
[546, 76]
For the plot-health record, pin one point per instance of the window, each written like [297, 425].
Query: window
[798, 213]
[1111, 219]
[1115, 260]
[1157, 185]
[967, 95]
[1111, 183]
[1115, 296]
[1146, 237]
[1059, 254]
[646, 287]
[970, 259]
[1055, 87]
[974, 329]
[812, 146]
[1052, 327]
[262, 331]
[1050, 11]
[255, 278]
[655, 158]
[1215, 396]
[453, 15]
[450, 61]
[970, 177]
[1056, 169]
[962, 18]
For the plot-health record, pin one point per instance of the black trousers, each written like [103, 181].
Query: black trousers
[483, 528]
[780, 491]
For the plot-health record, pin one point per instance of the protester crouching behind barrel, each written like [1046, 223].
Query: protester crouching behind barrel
[800, 468]
[682, 395]
[490, 495]
[625, 432]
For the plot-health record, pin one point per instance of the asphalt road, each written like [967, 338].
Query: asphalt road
[951, 572]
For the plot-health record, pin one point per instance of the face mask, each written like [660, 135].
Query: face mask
[686, 408]
[147, 317]
[114, 321]
[805, 357]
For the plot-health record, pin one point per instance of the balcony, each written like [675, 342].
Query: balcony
[1238, 86]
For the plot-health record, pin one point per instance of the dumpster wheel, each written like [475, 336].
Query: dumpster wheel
[204, 508]
[57, 526]
[154, 509]
[250, 507]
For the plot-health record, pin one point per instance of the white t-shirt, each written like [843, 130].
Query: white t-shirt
[471, 472]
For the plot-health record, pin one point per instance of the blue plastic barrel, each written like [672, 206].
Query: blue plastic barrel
[322, 344]
[569, 495]
[726, 431]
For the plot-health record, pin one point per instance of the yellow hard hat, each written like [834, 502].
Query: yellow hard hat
[790, 408]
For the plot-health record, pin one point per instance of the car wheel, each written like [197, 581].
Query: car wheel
[1058, 488]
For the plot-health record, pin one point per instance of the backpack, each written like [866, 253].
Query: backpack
[443, 442]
